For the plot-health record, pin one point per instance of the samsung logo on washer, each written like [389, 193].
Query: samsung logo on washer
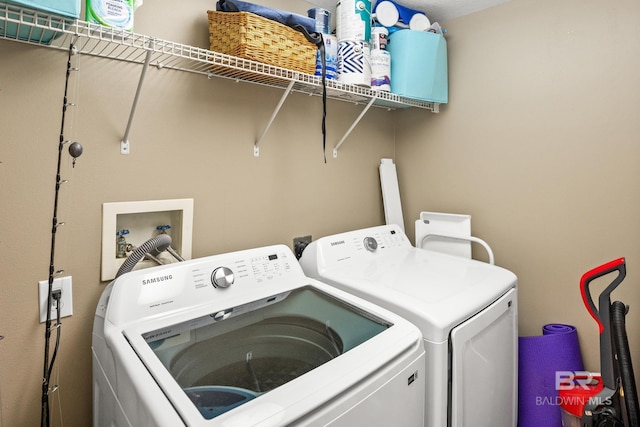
[339, 242]
[157, 279]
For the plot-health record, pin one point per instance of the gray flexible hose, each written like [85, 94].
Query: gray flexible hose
[153, 246]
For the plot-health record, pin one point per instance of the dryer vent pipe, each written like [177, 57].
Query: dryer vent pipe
[153, 246]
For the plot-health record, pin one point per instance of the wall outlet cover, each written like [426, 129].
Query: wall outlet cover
[66, 301]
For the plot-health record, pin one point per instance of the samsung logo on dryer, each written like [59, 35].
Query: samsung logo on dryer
[157, 279]
[339, 242]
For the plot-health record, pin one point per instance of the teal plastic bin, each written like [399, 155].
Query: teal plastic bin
[55, 12]
[419, 65]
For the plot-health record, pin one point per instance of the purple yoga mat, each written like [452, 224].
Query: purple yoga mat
[539, 359]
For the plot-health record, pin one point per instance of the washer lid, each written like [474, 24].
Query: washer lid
[211, 363]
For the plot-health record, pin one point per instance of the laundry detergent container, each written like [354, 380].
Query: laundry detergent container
[419, 65]
[54, 14]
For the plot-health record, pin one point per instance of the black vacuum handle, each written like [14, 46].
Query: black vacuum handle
[602, 314]
[591, 275]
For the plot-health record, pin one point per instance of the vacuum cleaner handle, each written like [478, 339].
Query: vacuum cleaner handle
[591, 275]
[602, 314]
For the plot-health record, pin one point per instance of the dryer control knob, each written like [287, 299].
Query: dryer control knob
[222, 277]
[370, 244]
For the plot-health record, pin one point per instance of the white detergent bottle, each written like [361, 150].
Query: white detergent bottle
[112, 13]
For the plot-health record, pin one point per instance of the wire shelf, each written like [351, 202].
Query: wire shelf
[57, 32]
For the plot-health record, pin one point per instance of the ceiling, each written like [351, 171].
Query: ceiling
[437, 10]
[444, 10]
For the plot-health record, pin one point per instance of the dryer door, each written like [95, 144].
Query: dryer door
[484, 366]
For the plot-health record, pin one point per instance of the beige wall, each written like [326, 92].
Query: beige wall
[539, 143]
[191, 138]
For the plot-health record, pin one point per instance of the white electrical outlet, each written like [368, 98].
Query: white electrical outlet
[66, 300]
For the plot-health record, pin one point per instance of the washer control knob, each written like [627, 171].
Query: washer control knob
[222, 277]
[370, 244]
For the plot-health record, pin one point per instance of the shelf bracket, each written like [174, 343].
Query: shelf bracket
[124, 144]
[256, 148]
[353, 126]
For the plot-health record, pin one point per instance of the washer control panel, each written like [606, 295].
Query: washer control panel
[248, 274]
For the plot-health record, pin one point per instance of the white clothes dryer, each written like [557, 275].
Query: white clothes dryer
[245, 339]
[466, 310]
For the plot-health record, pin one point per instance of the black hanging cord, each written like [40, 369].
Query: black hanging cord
[317, 39]
[58, 327]
[324, 99]
[48, 364]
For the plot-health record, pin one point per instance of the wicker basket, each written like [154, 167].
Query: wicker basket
[249, 36]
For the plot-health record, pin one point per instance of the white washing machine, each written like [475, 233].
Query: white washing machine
[466, 310]
[246, 339]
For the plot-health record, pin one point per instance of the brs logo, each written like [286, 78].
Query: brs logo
[569, 380]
